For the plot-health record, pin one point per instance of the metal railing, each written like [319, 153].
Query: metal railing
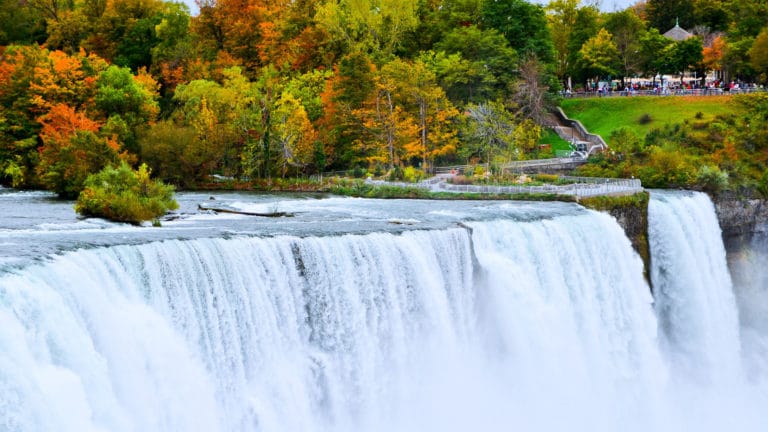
[592, 188]
[662, 92]
[581, 187]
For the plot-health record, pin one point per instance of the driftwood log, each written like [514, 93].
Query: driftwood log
[224, 210]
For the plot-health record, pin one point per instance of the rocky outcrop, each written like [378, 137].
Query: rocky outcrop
[631, 212]
[740, 216]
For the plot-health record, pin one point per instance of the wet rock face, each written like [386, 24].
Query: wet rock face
[740, 216]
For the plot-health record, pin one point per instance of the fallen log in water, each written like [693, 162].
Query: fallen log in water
[225, 210]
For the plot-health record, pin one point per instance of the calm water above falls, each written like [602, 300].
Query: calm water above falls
[367, 315]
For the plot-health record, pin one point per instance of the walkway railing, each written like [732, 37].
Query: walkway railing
[594, 187]
[581, 187]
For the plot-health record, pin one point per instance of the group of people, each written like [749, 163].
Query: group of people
[663, 88]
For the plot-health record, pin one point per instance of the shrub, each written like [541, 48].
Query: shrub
[396, 174]
[413, 175]
[124, 195]
[645, 119]
[460, 180]
[699, 115]
[546, 178]
[711, 178]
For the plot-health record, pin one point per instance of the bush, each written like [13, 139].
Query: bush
[396, 174]
[413, 175]
[124, 195]
[645, 119]
[711, 178]
[546, 178]
[460, 180]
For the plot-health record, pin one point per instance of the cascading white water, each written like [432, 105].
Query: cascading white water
[750, 273]
[693, 290]
[698, 316]
[540, 325]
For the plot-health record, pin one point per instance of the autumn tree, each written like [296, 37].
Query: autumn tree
[418, 92]
[389, 131]
[525, 140]
[124, 31]
[713, 54]
[243, 28]
[171, 148]
[376, 27]
[293, 133]
[351, 85]
[20, 25]
[226, 121]
[72, 149]
[32, 81]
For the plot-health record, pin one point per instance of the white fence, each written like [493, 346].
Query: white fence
[581, 187]
[592, 187]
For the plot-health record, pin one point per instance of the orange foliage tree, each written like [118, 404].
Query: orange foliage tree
[72, 149]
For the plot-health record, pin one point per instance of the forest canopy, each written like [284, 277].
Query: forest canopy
[265, 88]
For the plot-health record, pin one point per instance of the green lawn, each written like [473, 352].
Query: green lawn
[604, 115]
[550, 137]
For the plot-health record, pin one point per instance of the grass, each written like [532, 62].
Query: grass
[548, 136]
[604, 115]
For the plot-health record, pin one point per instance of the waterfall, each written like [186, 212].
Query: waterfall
[543, 324]
[750, 273]
[694, 296]
[698, 316]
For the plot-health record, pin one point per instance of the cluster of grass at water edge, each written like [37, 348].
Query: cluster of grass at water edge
[361, 189]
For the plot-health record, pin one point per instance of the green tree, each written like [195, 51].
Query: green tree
[585, 27]
[124, 31]
[20, 25]
[173, 152]
[128, 102]
[124, 195]
[664, 14]
[489, 132]
[712, 14]
[523, 24]
[562, 21]
[626, 143]
[758, 54]
[687, 55]
[599, 55]
[487, 71]
[652, 49]
[376, 27]
[626, 28]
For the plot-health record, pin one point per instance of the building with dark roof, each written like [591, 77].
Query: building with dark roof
[678, 33]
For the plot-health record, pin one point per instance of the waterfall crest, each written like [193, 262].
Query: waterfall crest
[545, 324]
